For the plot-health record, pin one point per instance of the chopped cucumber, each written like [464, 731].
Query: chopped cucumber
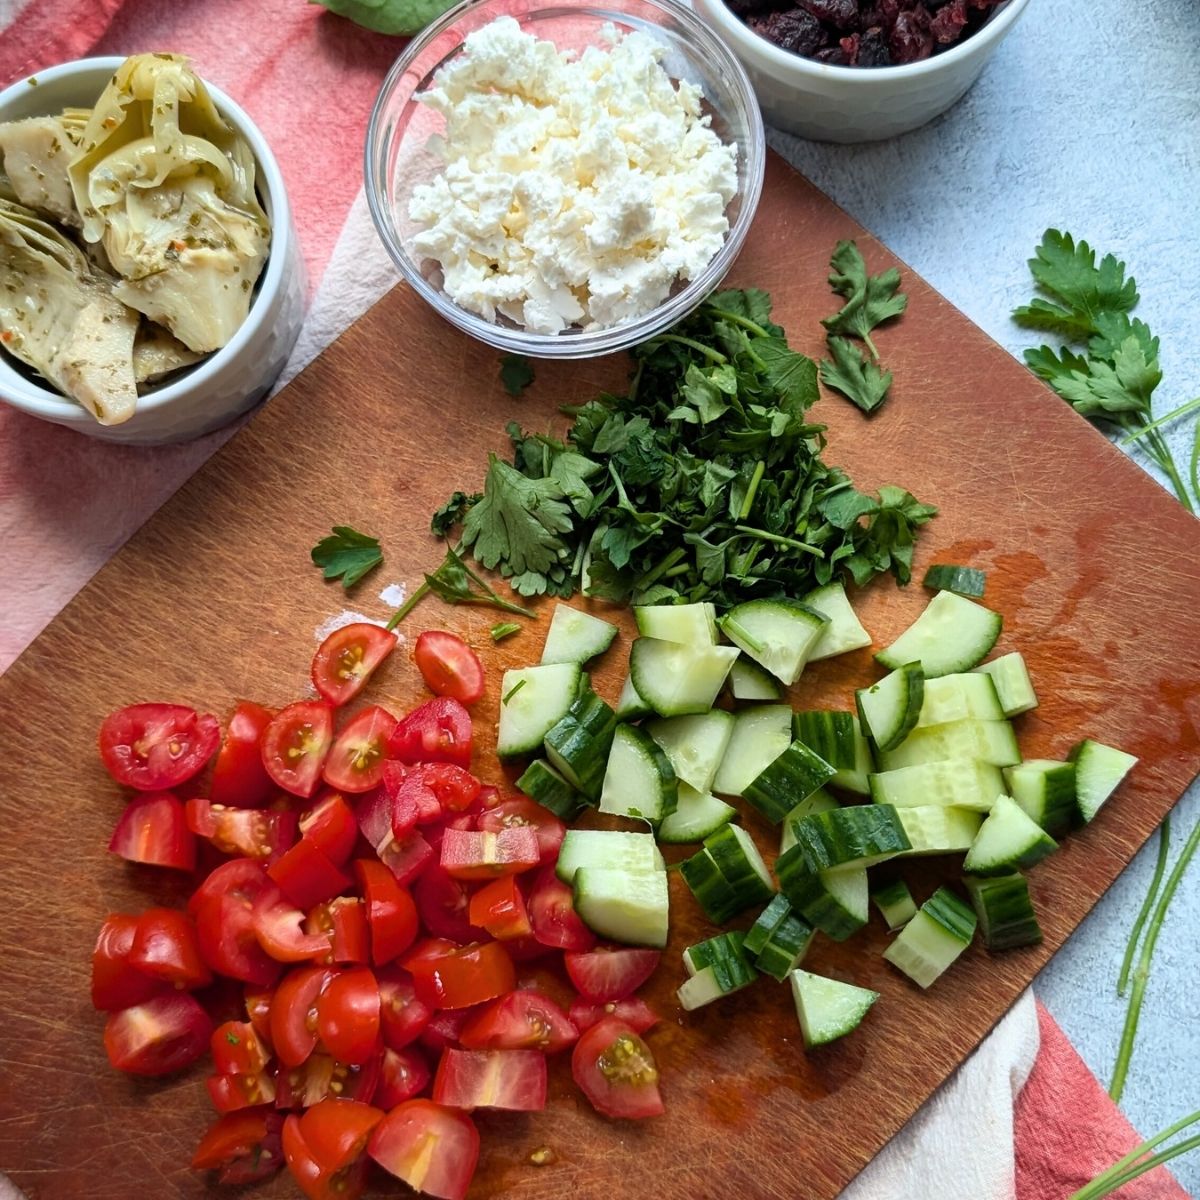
[576, 636]
[739, 861]
[992, 742]
[760, 735]
[966, 581]
[690, 624]
[895, 902]
[1005, 911]
[608, 849]
[827, 1008]
[1008, 840]
[630, 706]
[795, 774]
[959, 697]
[725, 954]
[1045, 789]
[856, 779]
[833, 735]
[712, 891]
[836, 902]
[578, 744]
[696, 815]
[941, 930]
[778, 634]
[1099, 770]
[860, 836]
[844, 631]
[939, 829]
[703, 988]
[889, 709]
[820, 801]
[676, 679]
[952, 634]
[533, 700]
[785, 948]
[1013, 685]
[639, 780]
[541, 782]
[765, 923]
[961, 782]
[695, 745]
[630, 907]
[749, 681]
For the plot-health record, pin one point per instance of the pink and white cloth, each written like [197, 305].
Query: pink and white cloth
[1023, 1119]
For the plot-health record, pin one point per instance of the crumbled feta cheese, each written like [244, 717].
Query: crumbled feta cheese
[577, 189]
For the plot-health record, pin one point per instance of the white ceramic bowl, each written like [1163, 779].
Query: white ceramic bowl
[227, 383]
[857, 104]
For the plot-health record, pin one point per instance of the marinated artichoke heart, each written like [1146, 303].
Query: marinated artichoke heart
[60, 317]
[35, 153]
[157, 353]
[168, 187]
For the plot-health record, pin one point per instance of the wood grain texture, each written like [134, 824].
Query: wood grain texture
[1096, 571]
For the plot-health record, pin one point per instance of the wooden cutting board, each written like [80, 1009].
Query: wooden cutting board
[1096, 570]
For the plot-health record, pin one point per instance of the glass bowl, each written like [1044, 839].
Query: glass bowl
[399, 155]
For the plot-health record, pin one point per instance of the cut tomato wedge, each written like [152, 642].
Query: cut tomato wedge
[229, 1093]
[509, 1079]
[336, 1131]
[223, 908]
[343, 920]
[408, 858]
[163, 1035]
[294, 1013]
[610, 972]
[449, 666]
[391, 911]
[321, 1077]
[165, 946]
[444, 904]
[259, 833]
[278, 925]
[472, 854]
[331, 827]
[153, 829]
[635, 1012]
[428, 791]
[258, 1009]
[306, 876]
[237, 1049]
[152, 747]
[432, 1148]
[348, 1020]
[295, 744]
[314, 1178]
[616, 1071]
[438, 731]
[356, 761]
[346, 659]
[243, 1147]
[461, 976]
[239, 778]
[499, 908]
[551, 905]
[116, 982]
[402, 1016]
[522, 1020]
[521, 812]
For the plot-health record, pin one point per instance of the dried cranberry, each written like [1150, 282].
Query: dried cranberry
[833, 56]
[873, 48]
[948, 22]
[841, 14]
[849, 47]
[795, 30]
[911, 40]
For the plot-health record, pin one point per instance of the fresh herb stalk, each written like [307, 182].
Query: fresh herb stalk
[1135, 934]
[1133, 1165]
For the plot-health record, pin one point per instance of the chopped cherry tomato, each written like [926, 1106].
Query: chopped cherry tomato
[277, 925]
[463, 975]
[610, 972]
[449, 666]
[243, 1146]
[153, 829]
[259, 833]
[165, 946]
[151, 747]
[116, 982]
[321, 1077]
[306, 876]
[331, 827]
[239, 877]
[435, 834]
[523, 1020]
[552, 914]
[427, 792]
[294, 1013]
[510, 1079]
[616, 1071]
[239, 778]
[408, 858]
[315, 1180]
[402, 1016]
[229, 1093]
[223, 907]
[374, 816]
[526, 949]
[258, 1010]
[237, 1049]
[295, 744]
[445, 1028]
[391, 912]
[445, 905]
[636, 1013]
[431, 1148]
[499, 907]
[356, 762]
[161, 1035]
[344, 921]
[472, 854]
[348, 1016]
[346, 658]
[403, 1074]
[521, 811]
[438, 731]
[336, 1131]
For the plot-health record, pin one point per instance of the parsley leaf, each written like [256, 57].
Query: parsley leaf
[456, 583]
[348, 554]
[516, 373]
[451, 513]
[854, 375]
[870, 299]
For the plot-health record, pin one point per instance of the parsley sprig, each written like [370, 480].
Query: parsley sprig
[347, 554]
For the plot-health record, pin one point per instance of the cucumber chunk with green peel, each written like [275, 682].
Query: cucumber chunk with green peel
[532, 701]
[966, 581]
[820, 801]
[832, 735]
[961, 782]
[541, 782]
[939, 829]
[739, 861]
[827, 1008]
[749, 681]
[835, 902]
[959, 698]
[890, 709]
[575, 637]
[725, 954]
[1099, 770]
[856, 779]
[760, 735]
[1013, 685]
[765, 923]
[785, 948]
[607, 849]
[630, 706]
[690, 624]
[796, 773]
[1005, 911]
[719, 898]
[695, 744]
[703, 988]
[1008, 840]
[993, 742]
[941, 930]
[844, 632]
[676, 679]
[639, 780]
[630, 907]
[1045, 789]
[778, 634]
[860, 836]
[952, 634]
[895, 902]
[578, 744]
[696, 815]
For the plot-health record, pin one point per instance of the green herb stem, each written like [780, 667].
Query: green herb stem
[1166, 419]
[778, 538]
[740, 631]
[1194, 466]
[1129, 1167]
[1164, 845]
[504, 629]
[660, 568]
[712, 355]
[409, 605]
[735, 319]
[516, 687]
[1167, 462]
[752, 490]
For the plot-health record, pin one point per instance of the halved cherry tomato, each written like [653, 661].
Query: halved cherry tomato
[153, 829]
[402, 1016]
[237, 1049]
[244, 1146]
[551, 905]
[616, 1071]
[635, 1012]
[462, 975]
[472, 854]
[295, 744]
[331, 827]
[165, 946]
[427, 792]
[391, 912]
[278, 927]
[239, 876]
[229, 1093]
[258, 1010]
[116, 983]
[509, 1079]
[374, 815]
[294, 1013]
[499, 907]
[336, 1131]
[445, 1028]
[445, 905]
[610, 972]
[164, 1034]
[519, 811]
[408, 858]
[259, 833]
[239, 778]
[223, 906]
[403, 1074]
[346, 659]
[438, 731]
[523, 1020]
[315, 1180]
[431, 1148]
[449, 666]
[348, 1016]
[344, 921]
[151, 747]
[321, 1077]
[355, 764]
[306, 876]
